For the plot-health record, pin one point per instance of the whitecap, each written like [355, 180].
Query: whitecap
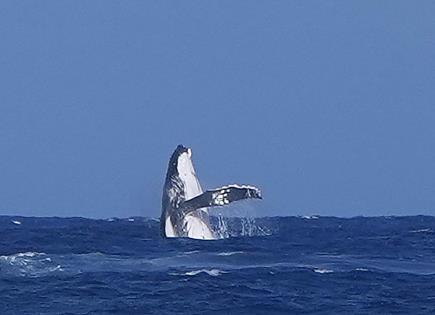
[30, 264]
[12, 258]
[428, 230]
[323, 270]
[16, 222]
[57, 268]
[310, 217]
[229, 253]
[191, 252]
[210, 272]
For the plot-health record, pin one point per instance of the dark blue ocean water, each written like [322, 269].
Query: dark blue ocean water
[289, 265]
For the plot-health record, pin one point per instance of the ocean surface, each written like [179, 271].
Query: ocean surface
[279, 265]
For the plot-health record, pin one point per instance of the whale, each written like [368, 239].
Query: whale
[185, 206]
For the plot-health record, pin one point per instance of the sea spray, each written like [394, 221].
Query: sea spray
[226, 227]
[222, 227]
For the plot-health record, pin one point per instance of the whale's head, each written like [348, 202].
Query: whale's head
[181, 181]
[181, 184]
[181, 161]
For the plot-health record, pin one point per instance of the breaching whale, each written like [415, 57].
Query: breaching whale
[185, 205]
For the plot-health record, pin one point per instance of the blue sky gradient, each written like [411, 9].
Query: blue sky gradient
[328, 106]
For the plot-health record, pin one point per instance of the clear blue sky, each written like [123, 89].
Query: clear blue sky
[328, 106]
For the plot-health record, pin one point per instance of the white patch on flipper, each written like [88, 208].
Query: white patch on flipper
[220, 198]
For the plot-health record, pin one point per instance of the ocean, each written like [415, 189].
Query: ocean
[277, 265]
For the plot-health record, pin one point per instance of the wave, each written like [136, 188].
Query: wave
[323, 270]
[190, 252]
[13, 257]
[30, 264]
[39, 264]
[42, 246]
[426, 230]
[210, 272]
[230, 253]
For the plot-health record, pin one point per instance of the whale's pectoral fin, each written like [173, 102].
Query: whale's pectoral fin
[220, 197]
[227, 194]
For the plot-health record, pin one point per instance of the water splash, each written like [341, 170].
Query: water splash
[222, 227]
[226, 227]
[251, 228]
[248, 226]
